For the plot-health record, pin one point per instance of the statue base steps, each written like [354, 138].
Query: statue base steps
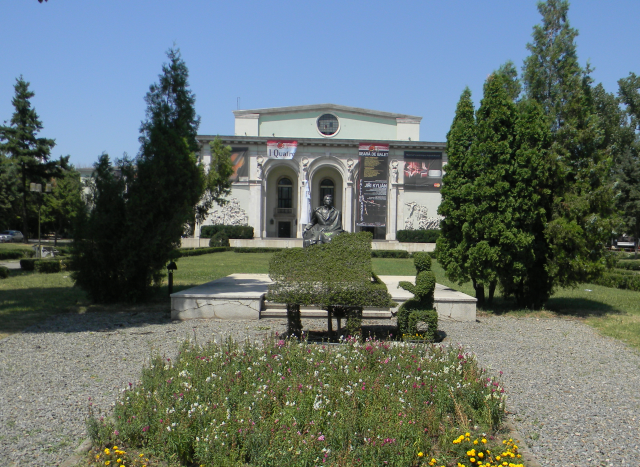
[241, 296]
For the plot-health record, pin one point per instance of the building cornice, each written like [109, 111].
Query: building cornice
[243, 140]
[323, 108]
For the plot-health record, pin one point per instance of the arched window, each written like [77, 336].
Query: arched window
[327, 187]
[285, 193]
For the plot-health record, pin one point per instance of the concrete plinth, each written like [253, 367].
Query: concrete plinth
[241, 296]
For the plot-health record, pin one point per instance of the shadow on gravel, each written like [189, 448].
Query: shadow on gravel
[574, 307]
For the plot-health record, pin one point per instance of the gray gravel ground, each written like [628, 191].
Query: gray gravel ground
[574, 395]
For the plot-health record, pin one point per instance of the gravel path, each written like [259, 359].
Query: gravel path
[575, 396]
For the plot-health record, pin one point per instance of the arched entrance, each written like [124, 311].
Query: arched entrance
[327, 179]
[281, 203]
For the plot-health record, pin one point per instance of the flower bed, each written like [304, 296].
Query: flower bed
[291, 403]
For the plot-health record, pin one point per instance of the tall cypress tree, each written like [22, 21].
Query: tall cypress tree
[26, 151]
[583, 211]
[456, 191]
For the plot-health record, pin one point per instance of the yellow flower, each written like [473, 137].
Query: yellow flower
[420, 454]
[480, 455]
[141, 455]
[115, 447]
[484, 441]
[475, 441]
[107, 463]
[118, 460]
[497, 458]
[106, 451]
[472, 459]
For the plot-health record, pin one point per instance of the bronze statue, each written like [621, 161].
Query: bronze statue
[325, 223]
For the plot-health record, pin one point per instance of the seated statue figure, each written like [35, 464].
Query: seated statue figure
[326, 222]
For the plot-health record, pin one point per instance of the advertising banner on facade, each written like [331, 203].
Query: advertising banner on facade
[422, 171]
[371, 184]
[240, 163]
[281, 149]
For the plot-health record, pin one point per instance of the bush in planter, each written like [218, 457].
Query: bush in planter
[417, 316]
[4, 272]
[418, 236]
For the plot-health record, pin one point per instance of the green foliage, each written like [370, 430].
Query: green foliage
[583, 211]
[336, 273]
[629, 264]
[629, 281]
[416, 316]
[201, 251]
[15, 254]
[219, 239]
[65, 201]
[9, 193]
[28, 264]
[4, 272]
[151, 201]
[256, 249]
[217, 180]
[418, 236]
[48, 266]
[273, 403]
[389, 254]
[28, 153]
[232, 231]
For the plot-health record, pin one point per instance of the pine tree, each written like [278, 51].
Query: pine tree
[583, 211]
[26, 151]
[456, 191]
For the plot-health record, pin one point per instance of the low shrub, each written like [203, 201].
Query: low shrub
[389, 254]
[201, 251]
[232, 231]
[619, 281]
[48, 266]
[282, 402]
[16, 254]
[629, 264]
[28, 264]
[244, 249]
[416, 317]
[418, 236]
[219, 239]
[4, 272]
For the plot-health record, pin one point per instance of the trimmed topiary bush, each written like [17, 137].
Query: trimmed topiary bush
[232, 231]
[4, 272]
[28, 264]
[48, 266]
[389, 254]
[418, 236]
[220, 239]
[246, 249]
[201, 251]
[416, 317]
[16, 254]
[336, 276]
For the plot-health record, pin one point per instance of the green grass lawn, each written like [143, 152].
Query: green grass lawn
[28, 298]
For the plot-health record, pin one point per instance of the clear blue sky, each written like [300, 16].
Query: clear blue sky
[90, 63]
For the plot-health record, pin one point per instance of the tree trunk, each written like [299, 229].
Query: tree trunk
[492, 289]
[479, 288]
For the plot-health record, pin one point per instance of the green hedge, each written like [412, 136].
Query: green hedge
[232, 231]
[16, 254]
[246, 249]
[418, 236]
[620, 281]
[389, 254]
[41, 265]
[629, 264]
[48, 266]
[201, 251]
[4, 272]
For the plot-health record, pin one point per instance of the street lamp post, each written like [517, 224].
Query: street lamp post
[37, 188]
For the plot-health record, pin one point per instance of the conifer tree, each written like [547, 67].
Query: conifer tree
[583, 211]
[457, 190]
[25, 150]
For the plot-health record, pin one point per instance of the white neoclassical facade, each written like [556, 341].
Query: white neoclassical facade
[381, 176]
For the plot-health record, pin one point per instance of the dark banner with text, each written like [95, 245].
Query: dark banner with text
[373, 178]
[422, 171]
